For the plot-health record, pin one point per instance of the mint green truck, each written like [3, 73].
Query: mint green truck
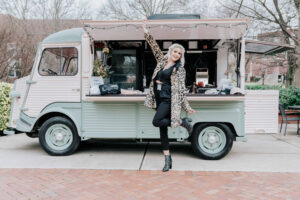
[54, 103]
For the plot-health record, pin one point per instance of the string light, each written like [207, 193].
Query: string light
[90, 37]
[172, 27]
[184, 28]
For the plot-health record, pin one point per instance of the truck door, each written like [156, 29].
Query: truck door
[56, 78]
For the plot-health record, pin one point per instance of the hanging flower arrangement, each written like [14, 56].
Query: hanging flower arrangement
[100, 69]
[100, 64]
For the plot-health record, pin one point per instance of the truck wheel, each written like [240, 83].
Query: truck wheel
[212, 141]
[58, 136]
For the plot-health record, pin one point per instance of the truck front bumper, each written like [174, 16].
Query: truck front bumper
[9, 132]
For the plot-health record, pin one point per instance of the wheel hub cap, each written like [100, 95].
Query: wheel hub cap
[59, 137]
[212, 140]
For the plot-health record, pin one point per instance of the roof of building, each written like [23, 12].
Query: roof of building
[65, 36]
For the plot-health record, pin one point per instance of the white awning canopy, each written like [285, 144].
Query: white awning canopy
[187, 29]
[266, 48]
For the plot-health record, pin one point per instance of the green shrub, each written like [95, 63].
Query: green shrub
[289, 96]
[256, 79]
[264, 87]
[5, 102]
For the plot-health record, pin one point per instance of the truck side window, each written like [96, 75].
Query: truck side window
[59, 62]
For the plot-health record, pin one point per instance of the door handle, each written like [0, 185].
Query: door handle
[76, 89]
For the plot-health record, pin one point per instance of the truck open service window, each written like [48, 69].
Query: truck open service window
[124, 64]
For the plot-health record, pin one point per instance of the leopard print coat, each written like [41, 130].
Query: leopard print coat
[178, 90]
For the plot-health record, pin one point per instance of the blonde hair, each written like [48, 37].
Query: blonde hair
[176, 45]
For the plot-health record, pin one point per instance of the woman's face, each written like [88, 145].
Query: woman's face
[176, 54]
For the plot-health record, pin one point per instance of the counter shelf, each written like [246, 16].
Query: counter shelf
[141, 97]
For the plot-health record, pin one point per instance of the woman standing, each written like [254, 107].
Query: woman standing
[167, 92]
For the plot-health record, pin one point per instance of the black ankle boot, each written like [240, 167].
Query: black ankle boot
[186, 123]
[168, 163]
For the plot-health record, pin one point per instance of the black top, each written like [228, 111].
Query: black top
[164, 75]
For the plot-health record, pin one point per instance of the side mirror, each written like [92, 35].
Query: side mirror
[14, 94]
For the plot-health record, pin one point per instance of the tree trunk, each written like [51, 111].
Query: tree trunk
[292, 61]
[291, 69]
[297, 52]
[297, 68]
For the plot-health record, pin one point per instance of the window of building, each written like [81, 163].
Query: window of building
[281, 78]
[14, 69]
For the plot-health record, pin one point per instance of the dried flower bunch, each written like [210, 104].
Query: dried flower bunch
[101, 69]
[105, 50]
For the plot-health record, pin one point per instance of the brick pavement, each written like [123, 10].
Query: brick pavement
[60, 184]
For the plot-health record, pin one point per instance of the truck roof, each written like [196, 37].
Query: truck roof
[65, 36]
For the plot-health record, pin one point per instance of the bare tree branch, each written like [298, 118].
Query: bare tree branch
[19, 41]
[138, 9]
[238, 12]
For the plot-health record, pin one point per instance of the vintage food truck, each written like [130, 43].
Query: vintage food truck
[54, 102]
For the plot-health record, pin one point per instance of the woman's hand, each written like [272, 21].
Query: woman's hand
[144, 25]
[158, 82]
[191, 111]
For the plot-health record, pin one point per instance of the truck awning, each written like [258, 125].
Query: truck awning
[266, 48]
[170, 29]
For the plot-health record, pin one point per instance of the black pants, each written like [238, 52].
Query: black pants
[162, 119]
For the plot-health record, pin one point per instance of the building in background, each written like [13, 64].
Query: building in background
[269, 64]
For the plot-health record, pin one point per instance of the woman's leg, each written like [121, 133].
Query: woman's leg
[164, 139]
[162, 120]
[162, 115]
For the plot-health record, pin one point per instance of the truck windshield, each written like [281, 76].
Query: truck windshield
[59, 62]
